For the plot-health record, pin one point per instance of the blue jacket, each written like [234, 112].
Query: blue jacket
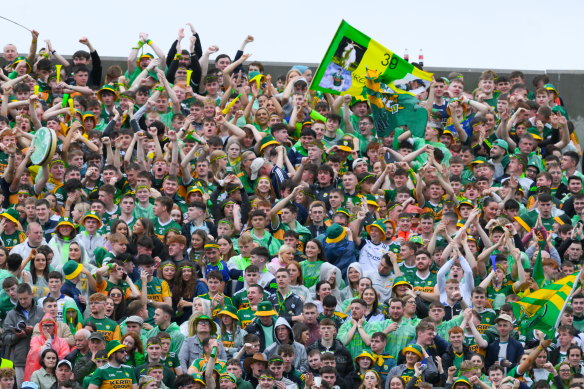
[341, 254]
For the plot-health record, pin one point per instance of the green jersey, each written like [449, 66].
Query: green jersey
[161, 229]
[109, 377]
[106, 326]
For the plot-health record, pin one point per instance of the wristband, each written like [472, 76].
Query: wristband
[177, 56]
[140, 43]
[149, 42]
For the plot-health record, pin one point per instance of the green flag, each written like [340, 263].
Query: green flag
[537, 273]
[391, 110]
[542, 309]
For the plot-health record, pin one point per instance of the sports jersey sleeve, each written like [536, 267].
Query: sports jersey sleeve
[165, 290]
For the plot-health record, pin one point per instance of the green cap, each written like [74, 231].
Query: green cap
[502, 144]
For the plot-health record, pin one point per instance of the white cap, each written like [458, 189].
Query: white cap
[256, 165]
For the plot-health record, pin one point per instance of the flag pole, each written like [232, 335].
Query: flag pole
[568, 298]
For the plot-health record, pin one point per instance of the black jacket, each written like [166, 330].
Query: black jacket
[255, 327]
[342, 355]
[514, 353]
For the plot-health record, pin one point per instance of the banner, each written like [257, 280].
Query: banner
[349, 56]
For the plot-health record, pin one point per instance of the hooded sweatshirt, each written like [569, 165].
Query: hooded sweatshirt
[176, 337]
[71, 305]
[347, 293]
[300, 356]
[40, 343]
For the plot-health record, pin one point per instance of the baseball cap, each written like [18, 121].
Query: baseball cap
[135, 319]
[255, 167]
[65, 362]
[97, 335]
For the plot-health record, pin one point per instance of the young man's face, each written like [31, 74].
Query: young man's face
[55, 285]
[478, 300]
[214, 285]
[51, 308]
[154, 351]
[97, 307]
[377, 345]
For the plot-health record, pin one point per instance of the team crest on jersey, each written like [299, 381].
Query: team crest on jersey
[158, 288]
[107, 326]
[127, 375]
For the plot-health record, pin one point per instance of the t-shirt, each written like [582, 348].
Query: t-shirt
[109, 377]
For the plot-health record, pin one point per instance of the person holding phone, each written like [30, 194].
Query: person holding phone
[116, 277]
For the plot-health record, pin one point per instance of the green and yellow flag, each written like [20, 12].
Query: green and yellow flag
[357, 65]
[543, 308]
[349, 56]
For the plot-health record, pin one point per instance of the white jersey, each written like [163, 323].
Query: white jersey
[370, 255]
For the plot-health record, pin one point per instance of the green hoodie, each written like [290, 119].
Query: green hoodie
[176, 337]
[72, 324]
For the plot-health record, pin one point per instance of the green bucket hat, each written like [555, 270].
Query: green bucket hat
[207, 318]
[72, 269]
[113, 346]
[11, 214]
[109, 88]
[65, 221]
[527, 219]
[376, 224]
[416, 239]
[198, 377]
[415, 348]
[534, 132]
[89, 114]
[550, 87]
[268, 141]
[17, 60]
[230, 311]
[92, 215]
[477, 161]
[401, 280]
[335, 233]
[265, 308]
[256, 77]
[344, 211]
